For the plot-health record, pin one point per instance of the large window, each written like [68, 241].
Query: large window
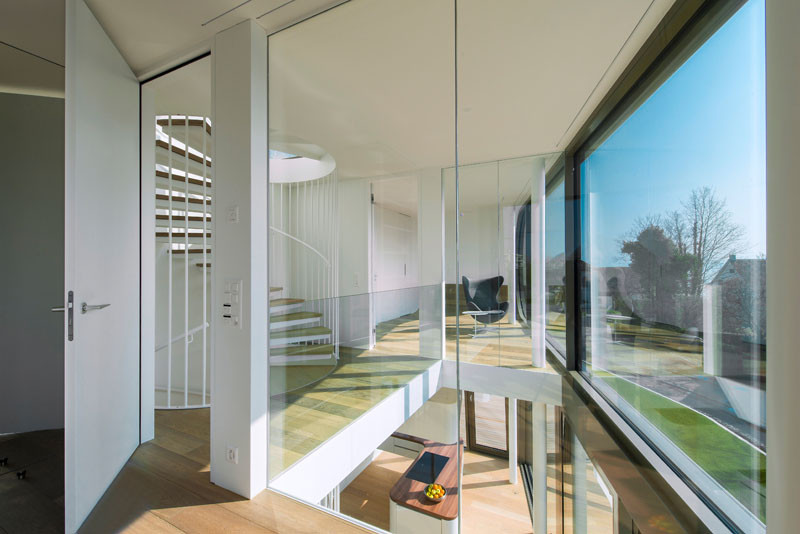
[673, 270]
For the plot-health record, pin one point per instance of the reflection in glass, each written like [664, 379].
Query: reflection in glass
[500, 279]
[555, 265]
[674, 267]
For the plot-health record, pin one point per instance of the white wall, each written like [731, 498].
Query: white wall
[431, 265]
[239, 416]
[437, 419]
[396, 263]
[32, 270]
[354, 312]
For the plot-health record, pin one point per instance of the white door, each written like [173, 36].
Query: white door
[102, 262]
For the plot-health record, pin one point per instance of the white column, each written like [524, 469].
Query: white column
[538, 296]
[510, 240]
[539, 468]
[239, 371]
[712, 330]
[512, 441]
[783, 257]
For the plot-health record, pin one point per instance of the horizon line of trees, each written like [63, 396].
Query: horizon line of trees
[674, 255]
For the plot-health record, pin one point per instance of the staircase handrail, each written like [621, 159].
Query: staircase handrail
[309, 247]
[185, 334]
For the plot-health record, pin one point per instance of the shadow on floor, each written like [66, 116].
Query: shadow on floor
[36, 502]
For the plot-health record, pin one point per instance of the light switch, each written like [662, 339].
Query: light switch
[232, 303]
[233, 214]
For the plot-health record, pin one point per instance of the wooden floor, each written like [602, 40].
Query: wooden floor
[303, 419]
[507, 346]
[490, 503]
[165, 488]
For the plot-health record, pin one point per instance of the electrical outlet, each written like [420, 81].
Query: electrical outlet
[233, 214]
[232, 454]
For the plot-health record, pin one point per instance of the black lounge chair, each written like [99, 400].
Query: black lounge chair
[482, 300]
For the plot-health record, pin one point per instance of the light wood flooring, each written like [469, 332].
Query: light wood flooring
[507, 346]
[165, 487]
[303, 419]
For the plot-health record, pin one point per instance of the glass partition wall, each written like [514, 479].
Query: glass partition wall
[497, 291]
[361, 123]
[425, 284]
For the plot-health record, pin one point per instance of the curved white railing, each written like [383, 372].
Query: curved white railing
[189, 334]
[184, 231]
[303, 243]
[304, 239]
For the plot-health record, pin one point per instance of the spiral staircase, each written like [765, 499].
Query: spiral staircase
[301, 330]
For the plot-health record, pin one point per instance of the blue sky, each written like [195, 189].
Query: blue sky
[705, 126]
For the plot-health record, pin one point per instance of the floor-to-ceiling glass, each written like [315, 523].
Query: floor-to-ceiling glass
[361, 124]
[674, 265]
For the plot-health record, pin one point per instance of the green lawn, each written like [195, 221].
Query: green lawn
[737, 466]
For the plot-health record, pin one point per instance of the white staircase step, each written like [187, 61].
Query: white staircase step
[288, 320]
[178, 222]
[179, 162]
[180, 153]
[296, 354]
[179, 203]
[195, 241]
[284, 305]
[283, 338]
[177, 129]
[191, 251]
[178, 182]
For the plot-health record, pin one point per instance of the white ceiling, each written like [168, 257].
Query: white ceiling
[372, 81]
[186, 91]
[152, 33]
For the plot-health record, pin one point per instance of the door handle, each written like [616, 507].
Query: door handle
[67, 308]
[91, 307]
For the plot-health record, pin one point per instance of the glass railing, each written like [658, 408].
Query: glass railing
[320, 383]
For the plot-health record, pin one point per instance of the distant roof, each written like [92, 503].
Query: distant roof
[748, 269]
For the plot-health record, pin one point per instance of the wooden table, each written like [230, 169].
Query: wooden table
[408, 501]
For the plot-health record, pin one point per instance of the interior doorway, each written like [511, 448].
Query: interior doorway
[486, 419]
[32, 390]
[179, 201]
[394, 250]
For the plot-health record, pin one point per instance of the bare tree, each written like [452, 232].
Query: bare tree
[705, 228]
[676, 228]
